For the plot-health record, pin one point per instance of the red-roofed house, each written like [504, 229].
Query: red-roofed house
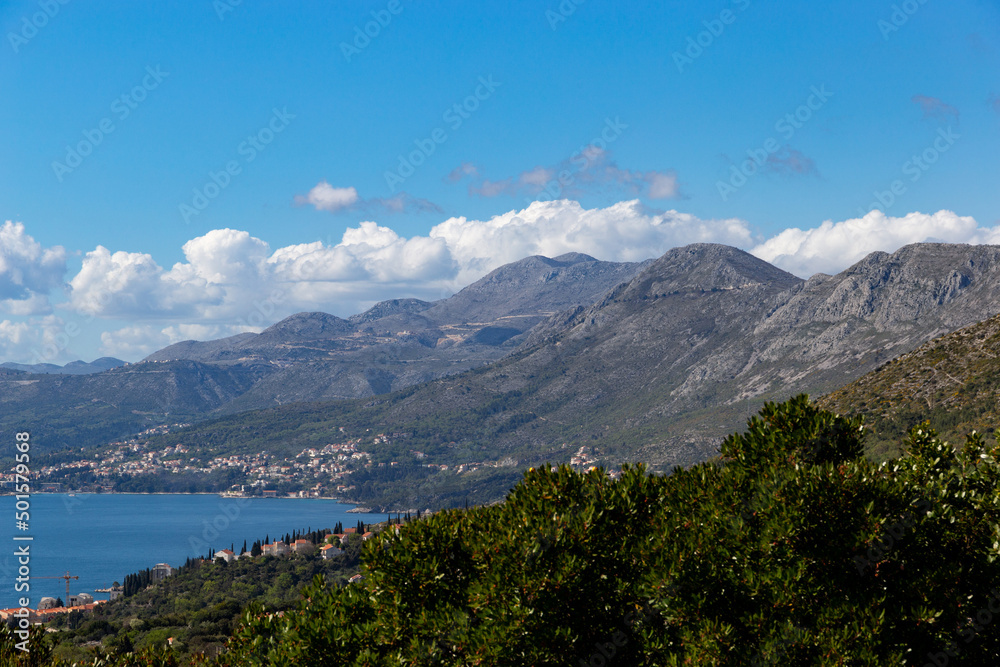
[330, 551]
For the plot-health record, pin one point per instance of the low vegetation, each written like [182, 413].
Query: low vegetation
[792, 549]
[952, 381]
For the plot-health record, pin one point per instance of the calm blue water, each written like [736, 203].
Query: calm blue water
[103, 537]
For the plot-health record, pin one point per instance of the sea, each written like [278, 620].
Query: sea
[100, 538]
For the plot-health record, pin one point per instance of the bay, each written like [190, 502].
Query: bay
[103, 537]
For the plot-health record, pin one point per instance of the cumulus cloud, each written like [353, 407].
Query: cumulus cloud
[934, 108]
[231, 282]
[136, 342]
[27, 271]
[325, 197]
[34, 304]
[626, 231]
[662, 185]
[133, 342]
[833, 246]
[37, 340]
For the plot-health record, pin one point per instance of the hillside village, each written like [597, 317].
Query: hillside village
[313, 472]
[332, 546]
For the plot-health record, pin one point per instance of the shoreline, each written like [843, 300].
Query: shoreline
[355, 507]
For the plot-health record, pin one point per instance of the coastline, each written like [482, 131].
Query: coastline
[355, 508]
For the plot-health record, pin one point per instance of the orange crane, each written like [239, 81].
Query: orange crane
[61, 576]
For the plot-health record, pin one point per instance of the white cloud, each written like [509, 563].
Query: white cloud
[325, 197]
[626, 231]
[231, 282]
[136, 342]
[834, 246]
[133, 343]
[662, 185]
[38, 340]
[27, 270]
[33, 304]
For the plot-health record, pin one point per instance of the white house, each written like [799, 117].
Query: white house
[330, 551]
[161, 571]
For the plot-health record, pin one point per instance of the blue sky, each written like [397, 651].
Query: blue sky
[136, 133]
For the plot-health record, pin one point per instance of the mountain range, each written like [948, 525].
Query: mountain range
[652, 362]
[308, 356]
[658, 369]
[78, 367]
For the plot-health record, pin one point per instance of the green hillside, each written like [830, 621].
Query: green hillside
[953, 381]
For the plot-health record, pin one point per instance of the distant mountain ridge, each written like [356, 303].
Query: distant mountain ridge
[664, 365]
[315, 356]
[77, 367]
[653, 366]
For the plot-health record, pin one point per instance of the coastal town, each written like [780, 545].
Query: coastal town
[313, 472]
